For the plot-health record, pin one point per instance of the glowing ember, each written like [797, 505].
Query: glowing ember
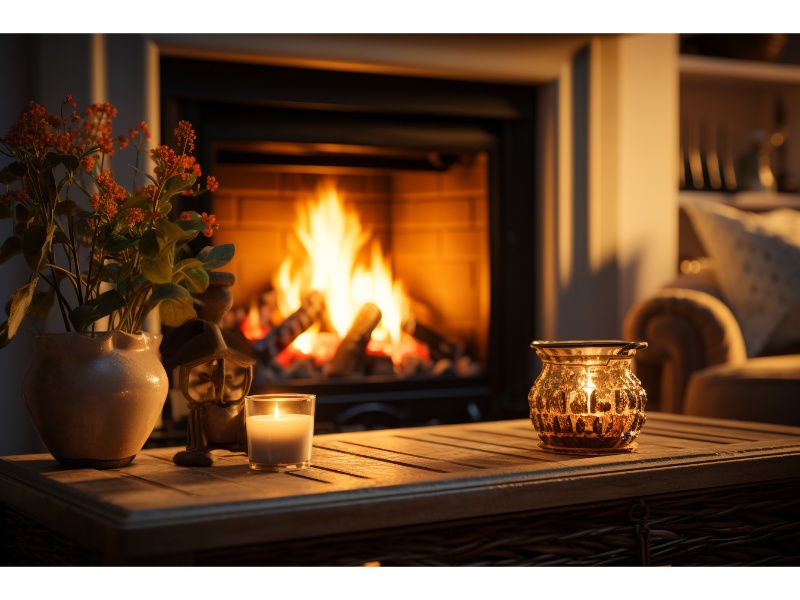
[332, 240]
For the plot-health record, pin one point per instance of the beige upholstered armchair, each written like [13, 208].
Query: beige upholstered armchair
[697, 363]
[688, 328]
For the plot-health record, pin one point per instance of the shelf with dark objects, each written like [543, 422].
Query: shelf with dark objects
[739, 117]
[696, 492]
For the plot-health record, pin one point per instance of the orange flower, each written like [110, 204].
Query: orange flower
[14, 195]
[184, 134]
[151, 191]
[112, 195]
[210, 221]
[88, 164]
[135, 216]
[140, 129]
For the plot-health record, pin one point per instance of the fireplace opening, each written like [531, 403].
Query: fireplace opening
[422, 190]
[370, 272]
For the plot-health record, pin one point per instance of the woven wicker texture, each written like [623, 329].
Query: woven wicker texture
[720, 527]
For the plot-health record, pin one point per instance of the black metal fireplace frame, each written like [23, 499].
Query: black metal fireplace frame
[254, 102]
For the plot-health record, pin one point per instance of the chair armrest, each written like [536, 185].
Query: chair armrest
[686, 330]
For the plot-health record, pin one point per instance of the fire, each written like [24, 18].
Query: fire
[251, 326]
[330, 259]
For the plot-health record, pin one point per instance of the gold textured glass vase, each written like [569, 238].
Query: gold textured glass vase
[586, 399]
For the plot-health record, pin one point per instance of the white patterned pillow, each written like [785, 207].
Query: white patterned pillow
[757, 265]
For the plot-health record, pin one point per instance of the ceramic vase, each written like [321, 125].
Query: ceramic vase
[95, 399]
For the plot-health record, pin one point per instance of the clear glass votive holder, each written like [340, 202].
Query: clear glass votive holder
[587, 399]
[280, 428]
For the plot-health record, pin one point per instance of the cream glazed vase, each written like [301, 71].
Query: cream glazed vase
[95, 399]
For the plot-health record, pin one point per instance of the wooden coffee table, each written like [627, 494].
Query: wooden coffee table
[697, 492]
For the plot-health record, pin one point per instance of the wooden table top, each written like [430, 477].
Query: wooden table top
[381, 479]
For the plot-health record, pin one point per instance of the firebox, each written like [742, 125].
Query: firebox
[383, 231]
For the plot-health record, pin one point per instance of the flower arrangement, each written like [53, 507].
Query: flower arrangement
[119, 260]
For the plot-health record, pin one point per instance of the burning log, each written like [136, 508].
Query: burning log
[279, 337]
[438, 345]
[353, 348]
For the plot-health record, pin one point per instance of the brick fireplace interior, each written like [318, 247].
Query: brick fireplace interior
[433, 225]
[441, 175]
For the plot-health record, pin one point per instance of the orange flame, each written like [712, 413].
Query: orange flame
[251, 325]
[332, 241]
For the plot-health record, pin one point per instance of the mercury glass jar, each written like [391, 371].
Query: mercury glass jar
[586, 399]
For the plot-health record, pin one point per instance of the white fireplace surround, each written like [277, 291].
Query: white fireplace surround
[607, 165]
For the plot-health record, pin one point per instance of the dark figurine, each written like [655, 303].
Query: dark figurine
[213, 378]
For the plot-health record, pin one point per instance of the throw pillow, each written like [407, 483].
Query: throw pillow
[757, 263]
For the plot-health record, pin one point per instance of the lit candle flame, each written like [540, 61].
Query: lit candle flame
[589, 388]
[276, 411]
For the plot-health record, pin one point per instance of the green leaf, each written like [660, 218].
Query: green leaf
[167, 290]
[139, 200]
[169, 233]
[59, 237]
[68, 207]
[214, 257]
[22, 214]
[83, 227]
[196, 280]
[158, 269]
[103, 305]
[176, 311]
[188, 263]
[176, 184]
[35, 244]
[46, 188]
[11, 173]
[149, 247]
[117, 243]
[194, 223]
[18, 304]
[41, 304]
[70, 161]
[11, 247]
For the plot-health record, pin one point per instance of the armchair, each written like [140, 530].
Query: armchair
[697, 362]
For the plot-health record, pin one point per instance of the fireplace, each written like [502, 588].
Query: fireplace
[440, 177]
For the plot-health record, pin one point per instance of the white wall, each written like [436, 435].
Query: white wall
[608, 224]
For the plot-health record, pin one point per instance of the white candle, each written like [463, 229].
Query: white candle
[279, 439]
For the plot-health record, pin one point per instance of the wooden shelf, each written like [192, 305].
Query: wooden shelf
[710, 69]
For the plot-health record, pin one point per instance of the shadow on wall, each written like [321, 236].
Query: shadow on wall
[17, 434]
